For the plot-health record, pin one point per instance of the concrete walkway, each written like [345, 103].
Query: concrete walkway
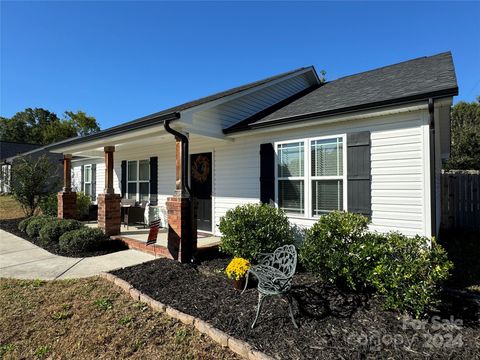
[21, 259]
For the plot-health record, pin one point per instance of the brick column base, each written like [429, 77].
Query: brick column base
[67, 205]
[109, 213]
[182, 228]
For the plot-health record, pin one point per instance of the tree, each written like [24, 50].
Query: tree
[31, 181]
[465, 136]
[83, 124]
[40, 126]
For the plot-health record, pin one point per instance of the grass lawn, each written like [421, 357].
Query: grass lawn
[10, 208]
[91, 319]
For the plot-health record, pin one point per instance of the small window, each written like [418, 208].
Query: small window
[326, 175]
[87, 180]
[291, 165]
[138, 180]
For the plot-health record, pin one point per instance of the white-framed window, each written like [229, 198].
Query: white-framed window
[138, 180]
[311, 175]
[87, 179]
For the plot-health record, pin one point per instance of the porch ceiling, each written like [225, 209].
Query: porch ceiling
[132, 139]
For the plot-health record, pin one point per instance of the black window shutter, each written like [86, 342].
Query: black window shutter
[153, 180]
[124, 178]
[94, 182]
[267, 173]
[82, 178]
[359, 173]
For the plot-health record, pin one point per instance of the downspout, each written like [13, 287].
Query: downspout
[433, 200]
[184, 139]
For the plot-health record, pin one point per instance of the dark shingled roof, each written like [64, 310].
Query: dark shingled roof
[432, 76]
[172, 112]
[9, 149]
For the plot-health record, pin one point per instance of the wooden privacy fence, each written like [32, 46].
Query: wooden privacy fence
[461, 200]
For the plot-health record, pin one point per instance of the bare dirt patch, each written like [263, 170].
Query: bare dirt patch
[91, 319]
[333, 324]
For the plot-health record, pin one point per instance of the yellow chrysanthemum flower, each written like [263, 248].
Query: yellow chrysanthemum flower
[237, 268]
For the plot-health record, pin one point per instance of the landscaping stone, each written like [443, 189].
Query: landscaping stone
[135, 294]
[146, 299]
[218, 335]
[202, 326]
[184, 318]
[239, 347]
[158, 306]
[123, 284]
[258, 355]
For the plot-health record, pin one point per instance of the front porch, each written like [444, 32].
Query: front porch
[141, 176]
[136, 238]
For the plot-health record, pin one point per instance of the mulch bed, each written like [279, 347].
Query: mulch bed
[333, 324]
[110, 246]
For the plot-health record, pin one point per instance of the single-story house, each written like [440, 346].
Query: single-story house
[371, 143]
[8, 150]
[33, 151]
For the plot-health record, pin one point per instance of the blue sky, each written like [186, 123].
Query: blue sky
[121, 60]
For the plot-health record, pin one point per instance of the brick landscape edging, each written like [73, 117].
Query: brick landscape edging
[239, 347]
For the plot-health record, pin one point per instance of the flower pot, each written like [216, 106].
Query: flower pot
[239, 284]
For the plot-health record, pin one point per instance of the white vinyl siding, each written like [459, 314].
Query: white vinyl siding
[398, 161]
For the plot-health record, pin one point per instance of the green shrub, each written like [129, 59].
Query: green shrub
[83, 205]
[49, 205]
[252, 229]
[22, 225]
[327, 249]
[83, 239]
[408, 273]
[51, 232]
[36, 224]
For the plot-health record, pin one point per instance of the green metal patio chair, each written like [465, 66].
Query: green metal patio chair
[274, 273]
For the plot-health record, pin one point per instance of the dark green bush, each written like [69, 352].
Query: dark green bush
[327, 249]
[83, 205]
[49, 204]
[252, 229]
[81, 240]
[51, 232]
[405, 271]
[22, 225]
[408, 273]
[35, 225]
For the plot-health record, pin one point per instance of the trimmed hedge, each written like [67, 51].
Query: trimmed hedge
[404, 271]
[81, 240]
[408, 272]
[35, 225]
[22, 225]
[252, 229]
[51, 232]
[326, 250]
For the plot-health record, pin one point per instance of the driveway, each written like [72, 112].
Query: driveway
[21, 259]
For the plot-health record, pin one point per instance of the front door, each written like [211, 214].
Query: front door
[201, 184]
